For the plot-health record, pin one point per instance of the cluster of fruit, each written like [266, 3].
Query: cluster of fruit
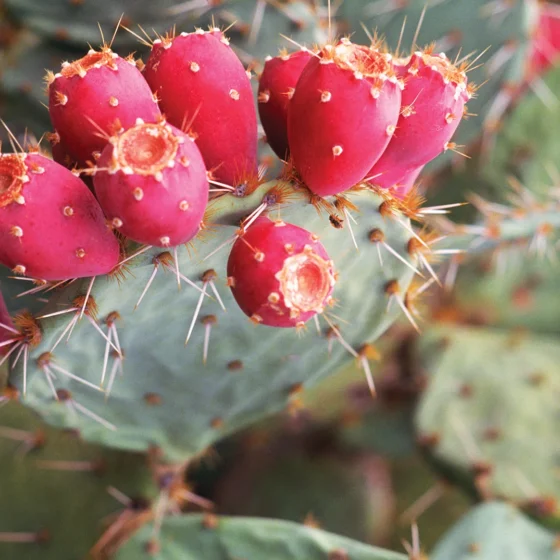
[135, 147]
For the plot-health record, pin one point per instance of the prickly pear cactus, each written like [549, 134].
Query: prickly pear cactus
[489, 394]
[191, 537]
[526, 147]
[231, 372]
[496, 531]
[291, 477]
[514, 289]
[61, 491]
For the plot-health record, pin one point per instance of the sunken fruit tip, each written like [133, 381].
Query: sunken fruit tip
[280, 274]
[152, 184]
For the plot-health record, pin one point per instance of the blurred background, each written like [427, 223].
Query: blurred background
[467, 411]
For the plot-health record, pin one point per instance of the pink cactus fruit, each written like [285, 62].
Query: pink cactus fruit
[92, 97]
[151, 182]
[51, 226]
[433, 103]
[59, 151]
[546, 39]
[406, 184]
[199, 81]
[280, 274]
[276, 87]
[342, 116]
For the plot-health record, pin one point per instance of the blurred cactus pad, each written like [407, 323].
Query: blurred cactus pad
[277, 280]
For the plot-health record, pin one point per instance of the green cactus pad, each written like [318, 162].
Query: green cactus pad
[167, 397]
[488, 419]
[192, 537]
[469, 26]
[527, 145]
[520, 293]
[496, 531]
[55, 486]
[292, 477]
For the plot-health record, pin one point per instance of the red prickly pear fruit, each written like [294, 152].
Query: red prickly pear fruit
[51, 226]
[406, 184]
[546, 39]
[433, 103]
[97, 94]
[152, 184]
[276, 87]
[342, 116]
[280, 274]
[61, 156]
[197, 77]
[59, 151]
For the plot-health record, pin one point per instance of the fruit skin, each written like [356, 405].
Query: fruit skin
[276, 86]
[336, 110]
[433, 102]
[59, 231]
[197, 77]
[112, 93]
[256, 268]
[162, 208]
[546, 40]
[406, 184]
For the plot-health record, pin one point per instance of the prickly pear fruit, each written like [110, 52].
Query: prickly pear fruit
[280, 274]
[546, 40]
[96, 95]
[406, 184]
[59, 151]
[51, 226]
[200, 82]
[151, 183]
[276, 87]
[433, 102]
[342, 115]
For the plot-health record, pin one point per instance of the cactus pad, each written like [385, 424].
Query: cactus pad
[166, 396]
[488, 418]
[496, 531]
[191, 537]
